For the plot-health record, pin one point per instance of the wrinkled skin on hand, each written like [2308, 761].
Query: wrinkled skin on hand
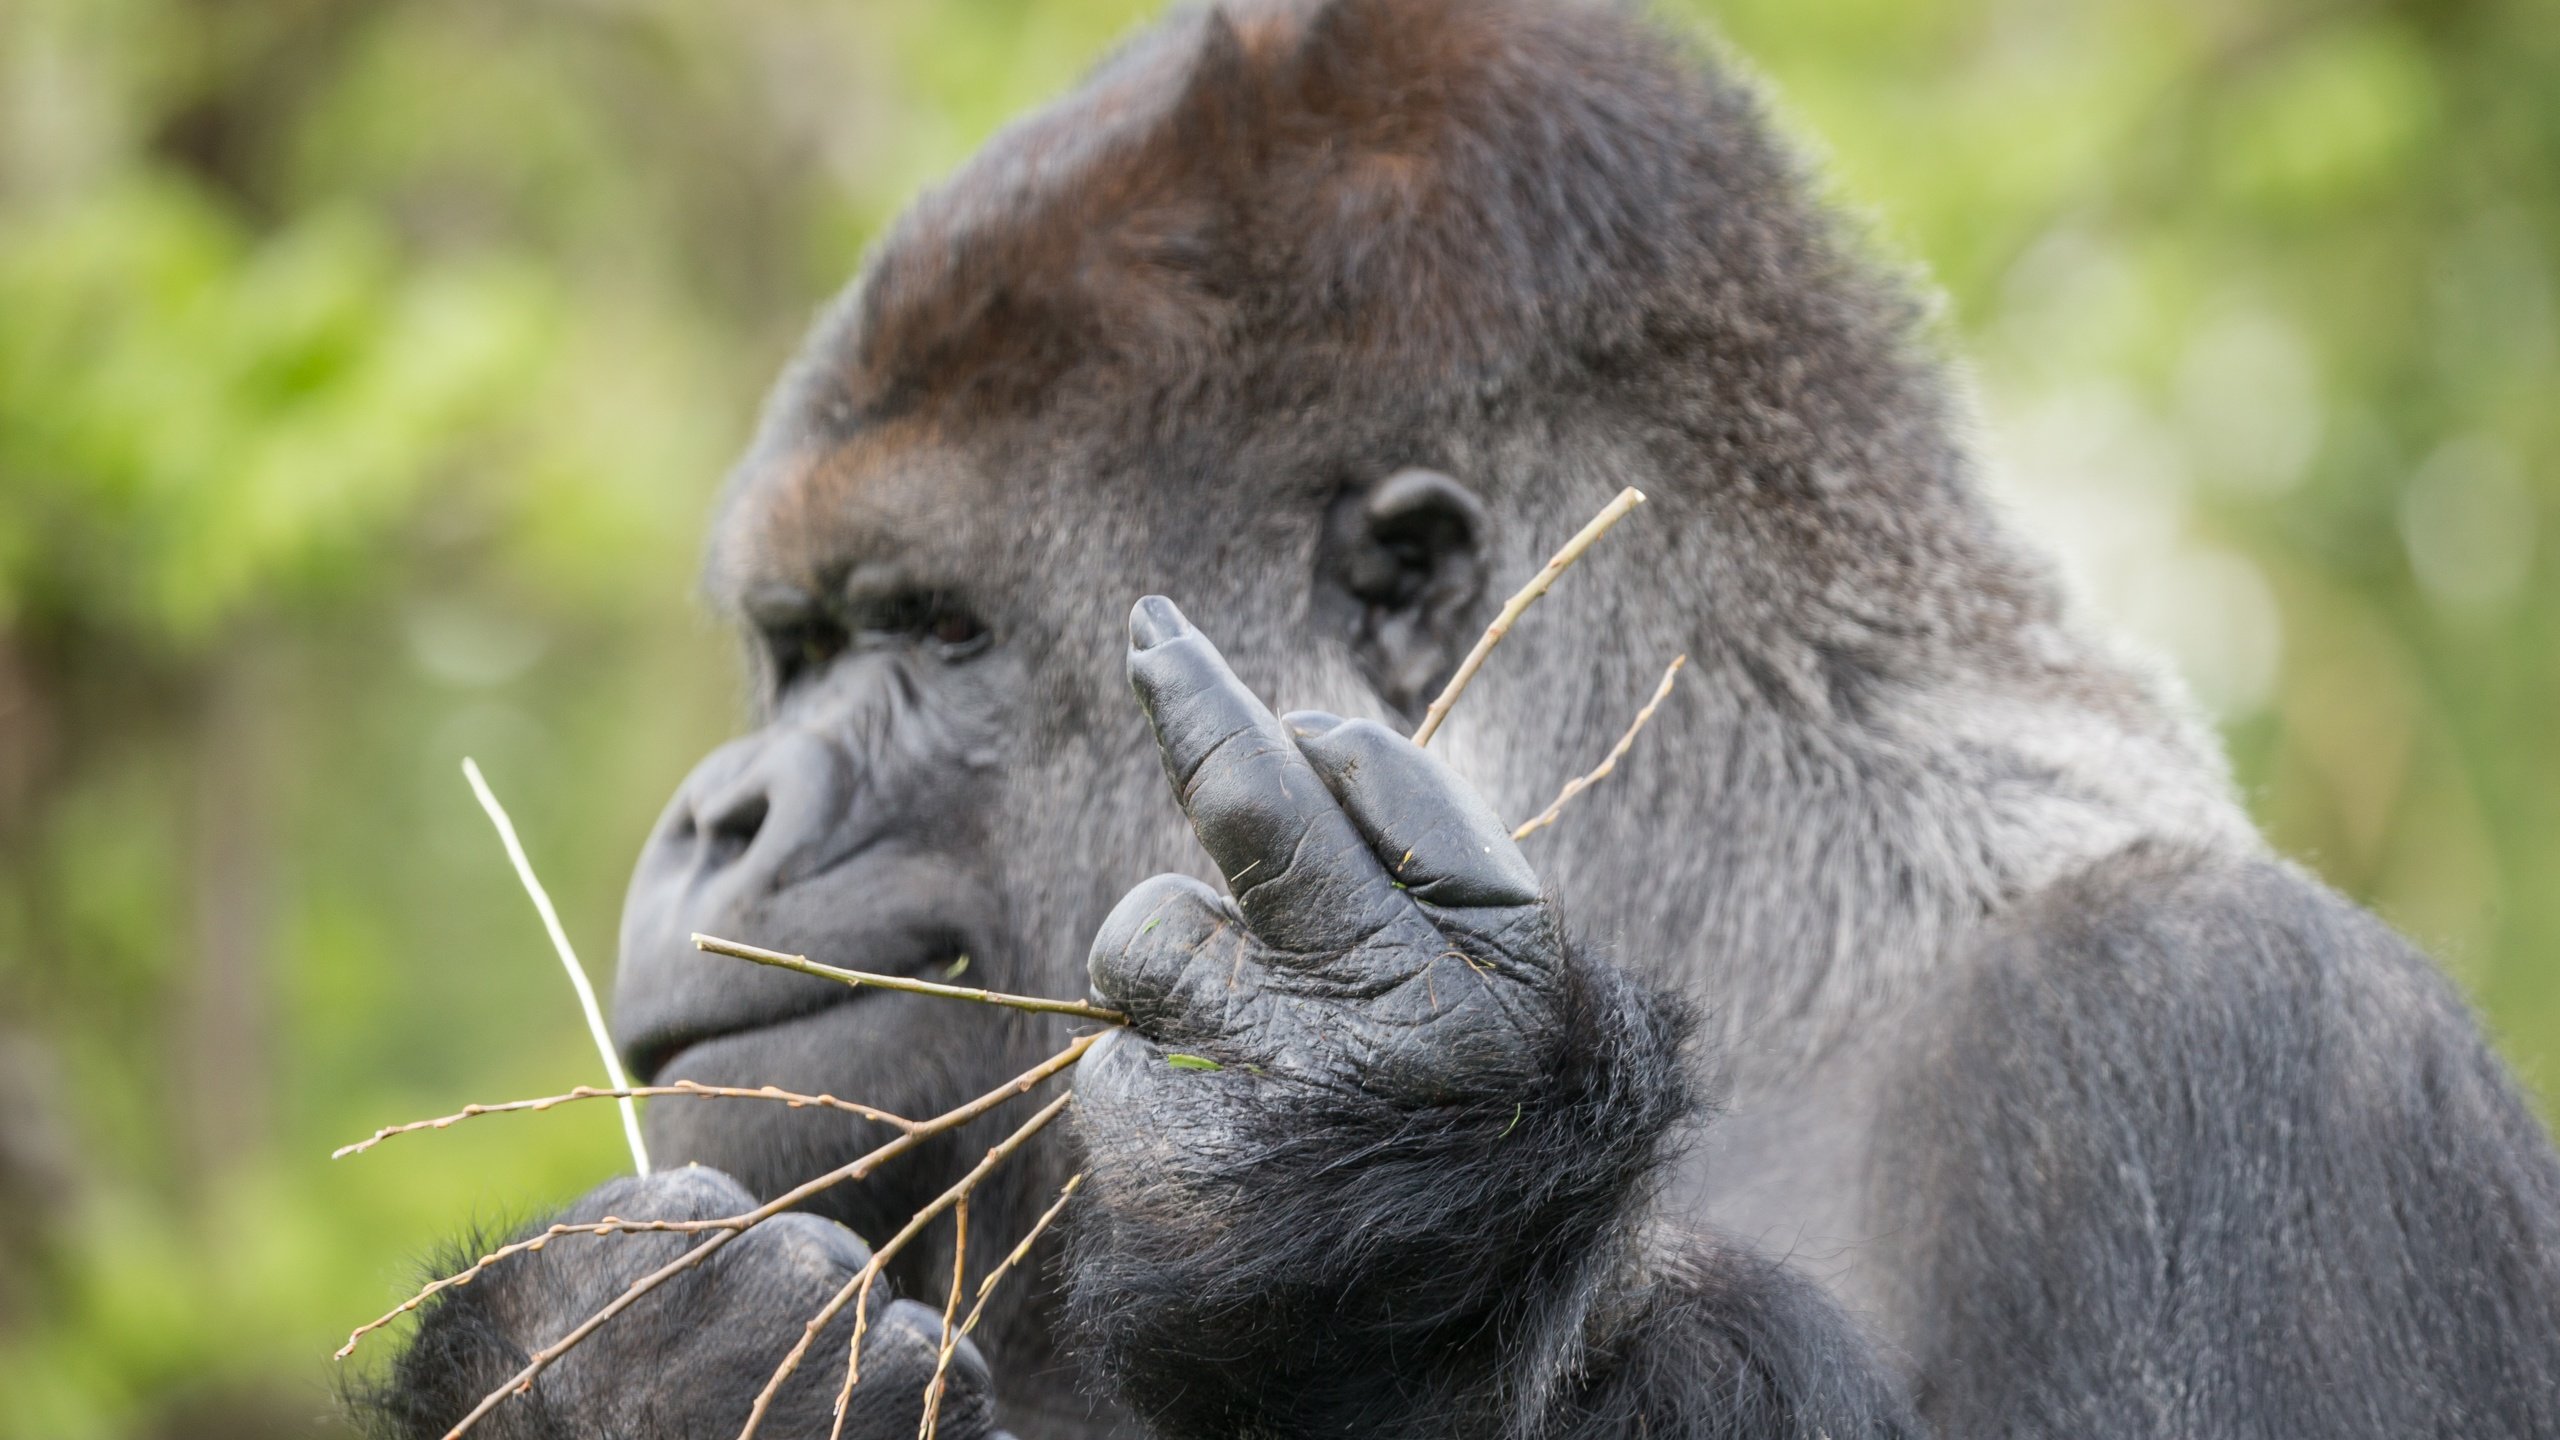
[1386, 935]
[688, 1359]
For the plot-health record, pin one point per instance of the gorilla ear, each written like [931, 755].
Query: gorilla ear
[1398, 577]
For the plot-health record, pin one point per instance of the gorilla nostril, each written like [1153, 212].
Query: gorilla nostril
[734, 827]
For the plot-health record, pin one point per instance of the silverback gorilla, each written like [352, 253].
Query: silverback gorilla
[1914, 1039]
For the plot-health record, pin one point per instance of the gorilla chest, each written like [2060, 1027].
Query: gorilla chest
[1786, 1169]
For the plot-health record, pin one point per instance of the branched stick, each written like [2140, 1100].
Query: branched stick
[609, 1225]
[922, 1130]
[589, 1092]
[1580, 783]
[568, 958]
[858, 1288]
[522, 1381]
[858, 978]
[1610, 514]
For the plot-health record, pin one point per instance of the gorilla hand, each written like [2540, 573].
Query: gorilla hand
[1367, 1154]
[687, 1360]
[1387, 935]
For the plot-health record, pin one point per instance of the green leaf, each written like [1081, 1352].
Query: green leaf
[1181, 1061]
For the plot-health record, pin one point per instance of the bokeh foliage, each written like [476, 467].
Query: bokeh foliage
[366, 372]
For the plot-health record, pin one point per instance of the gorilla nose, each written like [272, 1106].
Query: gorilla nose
[754, 815]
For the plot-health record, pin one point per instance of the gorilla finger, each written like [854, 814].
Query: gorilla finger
[1302, 874]
[1166, 955]
[1435, 835]
[922, 1327]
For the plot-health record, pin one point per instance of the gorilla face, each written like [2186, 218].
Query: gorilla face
[909, 689]
[851, 824]
[948, 763]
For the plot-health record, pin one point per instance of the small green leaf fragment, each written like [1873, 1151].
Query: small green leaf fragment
[1180, 1061]
[1150, 925]
[956, 968]
[1515, 1121]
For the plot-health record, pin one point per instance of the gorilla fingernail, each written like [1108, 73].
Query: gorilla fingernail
[1313, 724]
[1154, 621]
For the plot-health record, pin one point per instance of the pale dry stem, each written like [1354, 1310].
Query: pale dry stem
[568, 957]
[791, 1098]
[950, 1314]
[609, 1225]
[1600, 772]
[1610, 514]
[858, 978]
[987, 1286]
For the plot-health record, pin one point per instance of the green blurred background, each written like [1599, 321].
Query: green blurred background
[366, 372]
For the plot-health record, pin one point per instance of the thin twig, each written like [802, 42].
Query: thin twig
[589, 1092]
[609, 1225]
[950, 1315]
[1580, 783]
[807, 966]
[568, 959]
[987, 1286]
[1610, 514]
[858, 1288]
[522, 1381]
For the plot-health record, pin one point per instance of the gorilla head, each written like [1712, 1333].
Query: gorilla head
[1329, 322]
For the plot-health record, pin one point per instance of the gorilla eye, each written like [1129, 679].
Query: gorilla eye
[923, 617]
[804, 647]
[958, 632]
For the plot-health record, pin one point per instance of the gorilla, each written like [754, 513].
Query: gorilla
[1913, 1038]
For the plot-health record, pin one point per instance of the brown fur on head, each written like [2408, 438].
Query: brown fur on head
[1445, 189]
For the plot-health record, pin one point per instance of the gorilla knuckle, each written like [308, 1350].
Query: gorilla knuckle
[795, 1246]
[688, 1192]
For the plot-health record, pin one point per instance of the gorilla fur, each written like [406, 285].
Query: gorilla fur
[2047, 1103]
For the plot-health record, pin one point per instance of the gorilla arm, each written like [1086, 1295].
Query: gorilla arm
[1397, 1181]
[2206, 1150]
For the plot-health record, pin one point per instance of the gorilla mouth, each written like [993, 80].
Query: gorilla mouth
[655, 1047]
